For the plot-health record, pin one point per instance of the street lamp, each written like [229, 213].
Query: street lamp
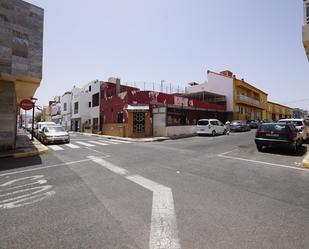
[32, 130]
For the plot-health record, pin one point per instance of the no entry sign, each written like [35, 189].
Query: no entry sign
[26, 104]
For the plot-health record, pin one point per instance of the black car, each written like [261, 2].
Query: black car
[239, 125]
[253, 124]
[277, 135]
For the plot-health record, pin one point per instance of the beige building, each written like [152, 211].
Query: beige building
[21, 49]
[306, 27]
[277, 111]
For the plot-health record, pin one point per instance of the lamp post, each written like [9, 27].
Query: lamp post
[32, 130]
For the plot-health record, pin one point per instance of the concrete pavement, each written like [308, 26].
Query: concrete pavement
[218, 202]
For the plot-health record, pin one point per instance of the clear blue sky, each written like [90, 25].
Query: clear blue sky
[175, 40]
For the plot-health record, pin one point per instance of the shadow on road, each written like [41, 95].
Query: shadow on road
[299, 153]
[15, 163]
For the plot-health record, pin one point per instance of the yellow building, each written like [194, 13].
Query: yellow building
[249, 101]
[276, 111]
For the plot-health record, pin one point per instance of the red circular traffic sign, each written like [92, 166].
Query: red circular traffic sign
[26, 104]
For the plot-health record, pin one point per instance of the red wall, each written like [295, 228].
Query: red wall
[111, 106]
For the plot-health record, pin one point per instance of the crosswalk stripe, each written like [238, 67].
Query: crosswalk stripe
[73, 146]
[109, 142]
[96, 142]
[120, 141]
[85, 144]
[55, 147]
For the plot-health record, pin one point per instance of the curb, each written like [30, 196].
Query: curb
[143, 140]
[31, 153]
[305, 161]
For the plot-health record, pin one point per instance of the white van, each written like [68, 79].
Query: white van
[299, 124]
[210, 127]
[39, 127]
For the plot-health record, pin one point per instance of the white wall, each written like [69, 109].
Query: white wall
[76, 97]
[66, 114]
[180, 130]
[87, 112]
[222, 85]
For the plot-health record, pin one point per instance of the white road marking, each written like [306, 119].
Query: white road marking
[72, 146]
[261, 162]
[107, 141]
[99, 143]
[24, 196]
[55, 147]
[85, 144]
[49, 166]
[109, 165]
[120, 141]
[163, 230]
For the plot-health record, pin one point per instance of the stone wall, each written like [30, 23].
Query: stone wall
[8, 115]
[21, 38]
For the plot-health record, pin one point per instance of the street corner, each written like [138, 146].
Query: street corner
[305, 161]
[36, 150]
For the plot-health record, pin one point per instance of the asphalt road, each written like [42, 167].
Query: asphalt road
[199, 192]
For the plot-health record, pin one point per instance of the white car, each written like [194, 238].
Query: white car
[299, 124]
[210, 127]
[39, 127]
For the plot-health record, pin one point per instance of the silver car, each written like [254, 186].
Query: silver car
[54, 134]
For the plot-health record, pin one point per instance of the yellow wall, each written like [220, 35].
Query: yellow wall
[249, 102]
[276, 111]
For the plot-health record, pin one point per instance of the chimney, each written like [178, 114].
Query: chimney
[227, 73]
[117, 86]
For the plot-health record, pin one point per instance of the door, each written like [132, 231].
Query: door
[139, 123]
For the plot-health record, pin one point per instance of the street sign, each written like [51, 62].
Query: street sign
[26, 104]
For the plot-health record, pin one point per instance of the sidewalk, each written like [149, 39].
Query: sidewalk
[146, 139]
[25, 147]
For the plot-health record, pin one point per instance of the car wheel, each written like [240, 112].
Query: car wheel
[259, 147]
[213, 133]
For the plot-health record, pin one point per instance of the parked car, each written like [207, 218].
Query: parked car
[39, 126]
[299, 125]
[253, 124]
[210, 127]
[54, 134]
[278, 135]
[239, 125]
[29, 127]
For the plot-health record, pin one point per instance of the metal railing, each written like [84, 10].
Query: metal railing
[247, 99]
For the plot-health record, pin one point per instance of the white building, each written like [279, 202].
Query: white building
[66, 110]
[75, 109]
[85, 106]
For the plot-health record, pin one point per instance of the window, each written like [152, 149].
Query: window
[214, 122]
[89, 88]
[307, 13]
[75, 107]
[95, 100]
[65, 107]
[202, 122]
[89, 104]
[120, 118]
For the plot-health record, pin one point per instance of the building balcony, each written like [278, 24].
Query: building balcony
[306, 38]
[247, 100]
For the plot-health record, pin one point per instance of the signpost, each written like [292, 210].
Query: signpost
[28, 104]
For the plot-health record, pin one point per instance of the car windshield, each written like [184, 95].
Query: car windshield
[54, 129]
[202, 122]
[294, 122]
[274, 127]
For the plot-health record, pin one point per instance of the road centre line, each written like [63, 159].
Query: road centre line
[163, 230]
[48, 167]
[261, 162]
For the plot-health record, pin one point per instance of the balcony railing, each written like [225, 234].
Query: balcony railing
[247, 99]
